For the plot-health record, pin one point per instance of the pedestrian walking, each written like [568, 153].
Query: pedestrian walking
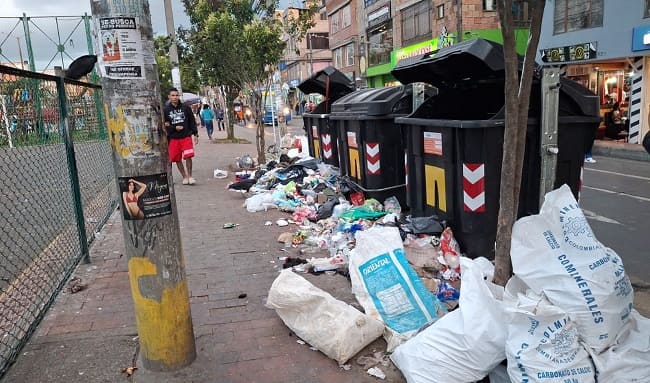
[181, 126]
[207, 116]
[220, 124]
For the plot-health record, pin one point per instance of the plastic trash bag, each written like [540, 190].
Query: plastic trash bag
[259, 202]
[335, 328]
[387, 286]
[464, 345]
[556, 253]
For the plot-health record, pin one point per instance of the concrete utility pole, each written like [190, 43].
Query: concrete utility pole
[173, 49]
[149, 218]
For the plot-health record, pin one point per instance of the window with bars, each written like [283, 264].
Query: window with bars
[574, 15]
[416, 22]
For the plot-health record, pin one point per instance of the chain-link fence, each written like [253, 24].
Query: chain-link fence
[57, 189]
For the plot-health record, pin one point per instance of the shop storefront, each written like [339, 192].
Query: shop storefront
[379, 75]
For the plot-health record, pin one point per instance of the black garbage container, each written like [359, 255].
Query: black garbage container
[371, 144]
[454, 141]
[321, 135]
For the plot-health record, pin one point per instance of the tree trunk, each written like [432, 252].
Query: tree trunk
[517, 99]
[259, 119]
[230, 95]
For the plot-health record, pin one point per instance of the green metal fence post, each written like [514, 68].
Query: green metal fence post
[32, 67]
[72, 166]
[99, 105]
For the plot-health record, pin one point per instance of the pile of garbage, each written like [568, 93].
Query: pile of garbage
[565, 316]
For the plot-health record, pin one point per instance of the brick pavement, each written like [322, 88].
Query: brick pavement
[89, 336]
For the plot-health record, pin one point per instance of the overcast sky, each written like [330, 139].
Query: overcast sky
[45, 51]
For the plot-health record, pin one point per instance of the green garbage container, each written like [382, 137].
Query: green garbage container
[321, 135]
[371, 144]
[454, 141]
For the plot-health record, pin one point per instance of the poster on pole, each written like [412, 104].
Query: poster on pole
[145, 197]
[120, 48]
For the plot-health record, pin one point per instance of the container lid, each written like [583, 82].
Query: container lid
[339, 84]
[470, 59]
[374, 102]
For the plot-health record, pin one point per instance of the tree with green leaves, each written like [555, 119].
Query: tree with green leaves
[189, 72]
[238, 46]
[518, 84]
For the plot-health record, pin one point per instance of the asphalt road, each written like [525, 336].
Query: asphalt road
[616, 200]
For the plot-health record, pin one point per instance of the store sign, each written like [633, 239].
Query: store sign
[416, 50]
[379, 16]
[578, 52]
[641, 38]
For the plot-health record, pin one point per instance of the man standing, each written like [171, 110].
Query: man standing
[220, 125]
[181, 126]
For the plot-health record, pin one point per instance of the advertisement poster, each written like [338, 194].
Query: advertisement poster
[121, 48]
[145, 197]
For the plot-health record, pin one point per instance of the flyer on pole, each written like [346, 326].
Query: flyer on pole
[121, 48]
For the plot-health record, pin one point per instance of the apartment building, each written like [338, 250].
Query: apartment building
[302, 58]
[606, 47]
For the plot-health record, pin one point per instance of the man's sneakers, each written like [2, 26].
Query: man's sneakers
[590, 160]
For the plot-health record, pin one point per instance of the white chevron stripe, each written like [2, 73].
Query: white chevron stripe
[327, 139]
[372, 150]
[373, 168]
[635, 102]
[474, 203]
[473, 176]
[327, 153]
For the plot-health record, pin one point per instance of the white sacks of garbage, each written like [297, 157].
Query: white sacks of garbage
[557, 254]
[464, 345]
[335, 328]
[628, 359]
[543, 344]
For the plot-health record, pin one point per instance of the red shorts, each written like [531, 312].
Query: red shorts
[180, 149]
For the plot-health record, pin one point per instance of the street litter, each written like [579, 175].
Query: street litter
[376, 372]
[218, 173]
[337, 329]
[230, 225]
[441, 316]
[464, 345]
[589, 280]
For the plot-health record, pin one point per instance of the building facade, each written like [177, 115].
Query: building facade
[606, 47]
[302, 58]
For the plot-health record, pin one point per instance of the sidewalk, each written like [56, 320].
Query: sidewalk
[90, 336]
[622, 150]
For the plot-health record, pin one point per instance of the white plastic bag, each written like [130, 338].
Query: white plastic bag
[628, 359]
[542, 345]
[387, 286]
[464, 345]
[259, 202]
[337, 329]
[555, 252]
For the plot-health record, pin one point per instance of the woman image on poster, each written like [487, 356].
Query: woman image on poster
[130, 197]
